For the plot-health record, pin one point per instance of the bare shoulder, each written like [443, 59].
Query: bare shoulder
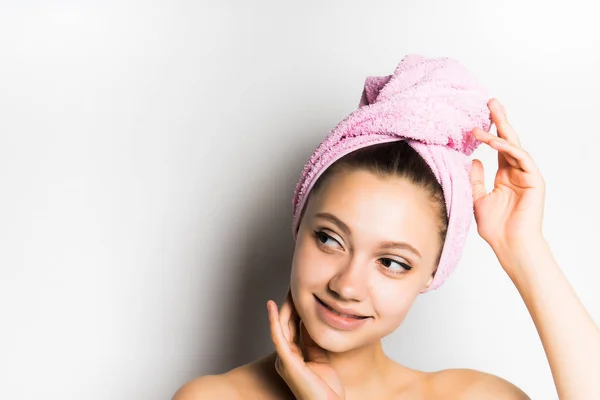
[208, 387]
[256, 380]
[472, 384]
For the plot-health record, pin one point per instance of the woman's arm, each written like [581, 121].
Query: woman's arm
[509, 219]
[570, 337]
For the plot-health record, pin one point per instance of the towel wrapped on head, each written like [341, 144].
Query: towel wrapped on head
[431, 103]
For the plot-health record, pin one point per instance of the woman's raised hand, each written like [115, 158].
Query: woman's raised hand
[300, 361]
[511, 214]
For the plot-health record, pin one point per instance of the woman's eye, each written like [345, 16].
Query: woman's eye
[395, 266]
[326, 240]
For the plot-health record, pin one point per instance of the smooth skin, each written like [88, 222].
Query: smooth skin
[509, 219]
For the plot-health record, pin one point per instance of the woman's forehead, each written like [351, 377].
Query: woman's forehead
[363, 188]
[375, 205]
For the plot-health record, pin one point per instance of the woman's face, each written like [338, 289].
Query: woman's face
[366, 247]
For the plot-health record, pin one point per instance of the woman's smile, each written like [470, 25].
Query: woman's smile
[336, 319]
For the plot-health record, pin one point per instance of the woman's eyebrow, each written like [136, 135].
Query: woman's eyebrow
[385, 245]
[401, 246]
[335, 220]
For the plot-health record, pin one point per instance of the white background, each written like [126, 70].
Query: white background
[148, 154]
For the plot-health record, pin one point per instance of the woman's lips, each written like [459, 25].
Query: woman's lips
[337, 320]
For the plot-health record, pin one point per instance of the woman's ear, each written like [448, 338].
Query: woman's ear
[428, 283]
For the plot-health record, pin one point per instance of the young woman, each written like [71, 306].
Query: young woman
[376, 228]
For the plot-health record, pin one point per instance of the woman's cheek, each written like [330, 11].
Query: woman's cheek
[312, 266]
[393, 302]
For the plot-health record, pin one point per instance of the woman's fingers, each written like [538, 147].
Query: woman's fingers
[288, 318]
[277, 336]
[515, 155]
[301, 380]
[310, 349]
[281, 344]
[499, 118]
[490, 139]
[477, 180]
[285, 318]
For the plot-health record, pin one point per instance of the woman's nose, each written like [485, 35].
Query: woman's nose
[350, 283]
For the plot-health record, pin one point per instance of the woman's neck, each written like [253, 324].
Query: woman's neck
[366, 372]
[361, 365]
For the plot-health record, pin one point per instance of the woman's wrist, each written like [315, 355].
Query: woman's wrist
[524, 258]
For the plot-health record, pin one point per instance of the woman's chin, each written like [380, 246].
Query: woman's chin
[333, 340]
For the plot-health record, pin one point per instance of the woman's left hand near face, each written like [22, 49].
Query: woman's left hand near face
[511, 214]
[300, 361]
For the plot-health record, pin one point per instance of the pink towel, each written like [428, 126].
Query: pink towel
[433, 104]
